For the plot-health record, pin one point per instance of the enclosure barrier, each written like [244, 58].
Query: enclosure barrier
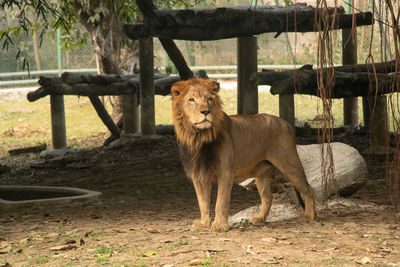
[242, 22]
[221, 23]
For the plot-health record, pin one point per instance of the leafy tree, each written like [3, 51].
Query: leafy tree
[102, 19]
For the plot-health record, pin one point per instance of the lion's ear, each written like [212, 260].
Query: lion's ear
[213, 86]
[178, 88]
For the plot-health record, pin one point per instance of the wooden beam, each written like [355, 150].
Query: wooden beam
[202, 26]
[303, 81]
[104, 116]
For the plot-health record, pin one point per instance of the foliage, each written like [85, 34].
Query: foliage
[44, 16]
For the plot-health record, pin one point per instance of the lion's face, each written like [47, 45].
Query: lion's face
[197, 99]
[197, 105]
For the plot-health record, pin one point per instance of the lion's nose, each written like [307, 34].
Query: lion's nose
[205, 112]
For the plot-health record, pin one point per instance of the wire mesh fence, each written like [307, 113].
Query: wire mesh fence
[285, 49]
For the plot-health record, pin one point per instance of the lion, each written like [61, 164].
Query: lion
[222, 149]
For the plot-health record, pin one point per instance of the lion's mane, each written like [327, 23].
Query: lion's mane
[198, 146]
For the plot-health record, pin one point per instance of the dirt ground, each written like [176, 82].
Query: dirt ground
[144, 215]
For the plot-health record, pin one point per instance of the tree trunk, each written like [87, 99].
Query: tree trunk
[107, 39]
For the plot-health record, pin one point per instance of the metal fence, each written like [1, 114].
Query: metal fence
[286, 49]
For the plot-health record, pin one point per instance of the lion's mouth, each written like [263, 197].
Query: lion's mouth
[203, 124]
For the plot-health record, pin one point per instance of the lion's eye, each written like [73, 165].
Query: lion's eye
[191, 99]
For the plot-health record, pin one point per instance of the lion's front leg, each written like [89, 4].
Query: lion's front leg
[222, 205]
[203, 192]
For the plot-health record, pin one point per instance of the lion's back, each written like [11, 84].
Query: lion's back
[253, 135]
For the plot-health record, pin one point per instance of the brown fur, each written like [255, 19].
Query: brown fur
[215, 147]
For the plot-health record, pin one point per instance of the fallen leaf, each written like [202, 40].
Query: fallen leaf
[152, 230]
[249, 250]
[270, 240]
[24, 241]
[215, 249]
[34, 227]
[195, 262]
[120, 231]
[63, 247]
[149, 254]
[104, 256]
[5, 247]
[223, 240]
[365, 261]
[70, 241]
[53, 235]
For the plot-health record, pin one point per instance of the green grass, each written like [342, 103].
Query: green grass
[26, 124]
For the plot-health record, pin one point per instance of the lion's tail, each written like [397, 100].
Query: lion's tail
[301, 201]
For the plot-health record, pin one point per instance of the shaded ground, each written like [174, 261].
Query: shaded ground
[143, 217]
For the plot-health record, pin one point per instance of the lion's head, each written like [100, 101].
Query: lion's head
[197, 111]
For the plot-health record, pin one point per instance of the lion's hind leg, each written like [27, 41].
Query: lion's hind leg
[263, 181]
[288, 163]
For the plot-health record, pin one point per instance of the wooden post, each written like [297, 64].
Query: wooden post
[366, 111]
[286, 108]
[349, 57]
[130, 110]
[58, 130]
[146, 54]
[378, 124]
[247, 65]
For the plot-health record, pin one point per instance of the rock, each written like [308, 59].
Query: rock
[350, 170]
[58, 153]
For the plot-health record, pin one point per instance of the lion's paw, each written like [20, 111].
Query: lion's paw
[199, 226]
[258, 220]
[219, 227]
[306, 219]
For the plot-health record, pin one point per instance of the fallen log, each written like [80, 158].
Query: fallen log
[31, 149]
[350, 172]
[222, 23]
[304, 81]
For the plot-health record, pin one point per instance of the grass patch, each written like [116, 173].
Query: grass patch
[41, 260]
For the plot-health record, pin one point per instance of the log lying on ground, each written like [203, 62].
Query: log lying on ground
[222, 23]
[350, 170]
[31, 149]
[304, 81]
